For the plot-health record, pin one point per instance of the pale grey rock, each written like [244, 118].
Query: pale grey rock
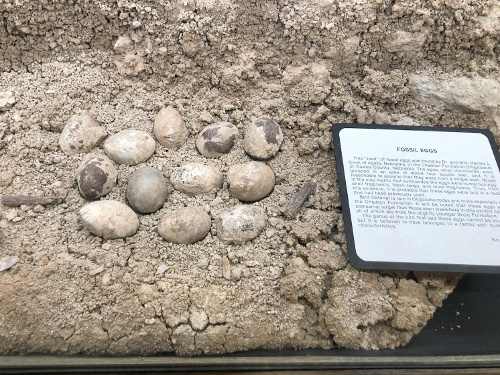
[241, 224]
[109, 219]
[403, 41]
[7, 100]
[186, 225]
[198, 319]
[130, 65]
[491, 21]
[382, 118]
[311, 84]
[465, 95]
[80, 135]
[217, 139]
[405, 120]
[196, 178]
[130, 147]
[123, 44]
[8, 262]
[147, 190]
[169, 128]
[251, 181]
[263, 138]
[161, 269]
[96, 177]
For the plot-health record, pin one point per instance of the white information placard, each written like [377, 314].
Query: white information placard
[418, 198]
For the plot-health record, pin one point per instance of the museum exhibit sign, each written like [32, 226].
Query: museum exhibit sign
[419, 198]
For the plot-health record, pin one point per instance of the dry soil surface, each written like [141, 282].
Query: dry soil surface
[307, 64]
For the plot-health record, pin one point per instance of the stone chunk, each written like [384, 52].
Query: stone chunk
[7, 100]
[466, 95]
[403, 41]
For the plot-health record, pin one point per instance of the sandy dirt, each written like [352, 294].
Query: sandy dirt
[307, 64]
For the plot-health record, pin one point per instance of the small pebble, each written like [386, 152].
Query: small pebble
[251, 181]
[80, 134]
[109, 219]
[241, 224]
[186, 225]
[6, 177]
[217, 139]
[161, 269]
[123, 44]
[130, 147]
[96, 177]
[147, 190]
[226, 268]
[8, 262]
[263, 138]
[196, 178]
[169, 128]
[96, 271]
[7, 100]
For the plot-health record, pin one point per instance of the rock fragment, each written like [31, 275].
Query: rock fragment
[7, 100]
[217, 139]
[161, 269]
[263, 138]
[6, 178]
[241, 224]
[130, 147]
[463, 94]
[8, 262]
[198, 319]
[196, 178]
[123, 44]
[96, 177]
[147, 190]
[186, 225]
[226, 268]
[251, 181]
[80, 134]
[109, 219]
[403, 41]
[310, 84]
[169, 128]
[130, 64]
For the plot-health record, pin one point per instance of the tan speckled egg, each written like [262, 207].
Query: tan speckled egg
[169, 128]
[241, 224]
[251, 181]
[80, 134]
[196, 178]
[96, 177]
[263, 138]
[130, 147]
[217, 139]
[109, 219]
[186, 225]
